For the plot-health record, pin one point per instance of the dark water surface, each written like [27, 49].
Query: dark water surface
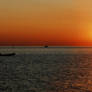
[47, 70]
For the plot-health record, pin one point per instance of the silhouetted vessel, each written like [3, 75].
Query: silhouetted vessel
[46, 46]
[7, 54]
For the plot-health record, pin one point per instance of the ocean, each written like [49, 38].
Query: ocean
[39, 69]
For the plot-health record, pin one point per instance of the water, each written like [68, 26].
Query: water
[38, 69]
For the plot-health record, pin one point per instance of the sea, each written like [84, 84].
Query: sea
[52, 69]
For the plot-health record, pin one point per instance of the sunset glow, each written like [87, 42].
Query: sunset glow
[37, 22]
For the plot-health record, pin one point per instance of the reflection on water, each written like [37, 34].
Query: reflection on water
[47, 70]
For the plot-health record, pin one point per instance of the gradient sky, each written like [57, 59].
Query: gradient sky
[46, 21]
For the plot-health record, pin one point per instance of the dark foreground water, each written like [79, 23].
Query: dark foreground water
[47, 70]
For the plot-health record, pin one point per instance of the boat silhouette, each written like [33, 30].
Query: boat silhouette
[7, 54]
[46, 46]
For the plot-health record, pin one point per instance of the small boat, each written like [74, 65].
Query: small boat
[7, 54]
[45, 46]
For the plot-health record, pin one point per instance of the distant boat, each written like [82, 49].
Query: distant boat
[46, 46]
[7, 54]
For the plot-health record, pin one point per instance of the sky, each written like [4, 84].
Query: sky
[40, 22]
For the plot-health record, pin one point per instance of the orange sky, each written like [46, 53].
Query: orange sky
[46, 21]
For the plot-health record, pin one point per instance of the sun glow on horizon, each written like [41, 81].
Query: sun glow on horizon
[46, 20]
